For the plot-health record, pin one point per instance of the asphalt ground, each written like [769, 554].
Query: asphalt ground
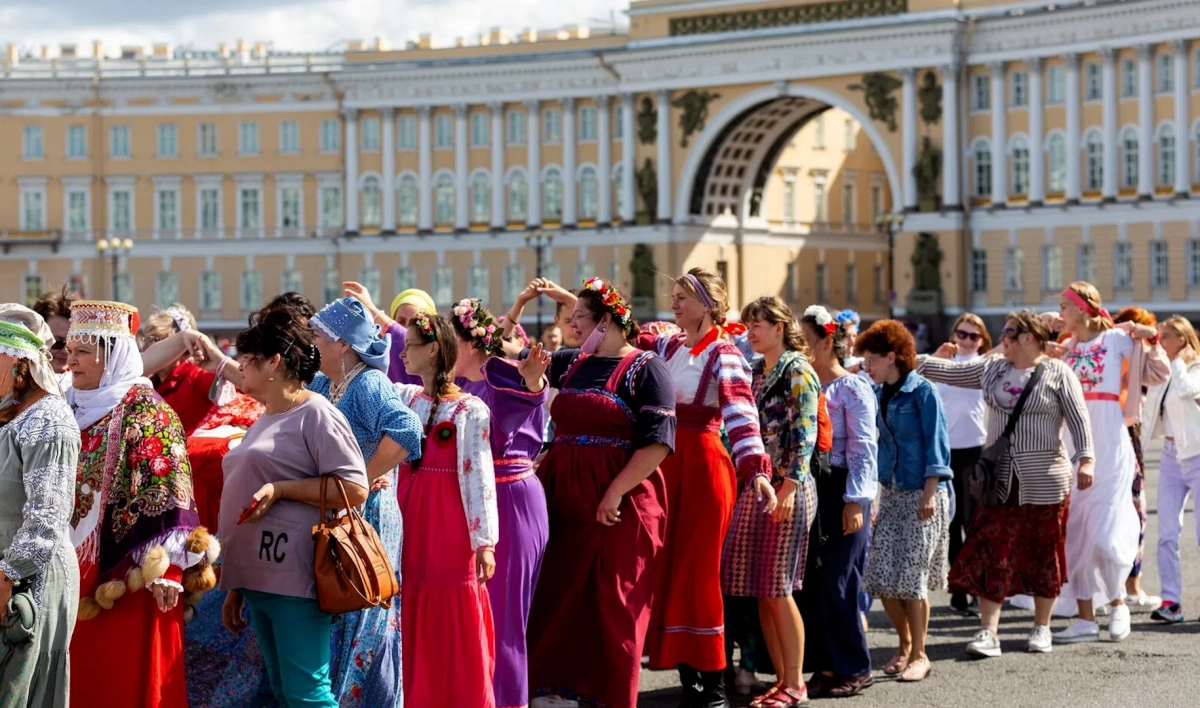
[1158, 665]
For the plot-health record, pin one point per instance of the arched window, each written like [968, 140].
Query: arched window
[589, 194]
[1094, 149]
[1056, 153]
[618, 185]
[444, 200]
[408, 200]
[1020, 166]
[481, 198]
[552, 186]
[518, 197]
[372, 212]
[1166, 155]
[982, 155]
[1129, 158]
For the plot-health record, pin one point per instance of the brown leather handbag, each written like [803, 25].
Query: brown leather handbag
[349, 561]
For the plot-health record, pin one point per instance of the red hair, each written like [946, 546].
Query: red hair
[889, 336]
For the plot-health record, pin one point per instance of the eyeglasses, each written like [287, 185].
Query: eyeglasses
[58, 346]
[969, 336]
[1011, 333]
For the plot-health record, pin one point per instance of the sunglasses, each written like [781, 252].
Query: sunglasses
[1011, 332]
[58, 346]
[969, 336]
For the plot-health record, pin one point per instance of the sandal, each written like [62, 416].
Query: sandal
[917, 671]
[769, 695]
[786, 698]
[896, 665]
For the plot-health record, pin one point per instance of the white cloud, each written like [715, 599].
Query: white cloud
[287, 24]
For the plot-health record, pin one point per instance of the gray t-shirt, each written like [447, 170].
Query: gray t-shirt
[275, 553]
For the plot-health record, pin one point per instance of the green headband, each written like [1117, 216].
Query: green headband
[18, 341]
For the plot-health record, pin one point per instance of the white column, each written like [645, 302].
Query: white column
[350, 115]
[1074, 158]
[664, 157]
[1108, 90]
[425, 171]
[1037, 130]
[1183, 167]
[1145, 122]
[604, 179]
[387, 123]
[534, 167]
[462, 219]
[999, 137]
[908, 136]
[498, 216]
[628, 160]
[568, 179]
[950, 153]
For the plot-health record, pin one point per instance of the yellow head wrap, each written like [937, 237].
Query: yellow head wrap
[418, 298]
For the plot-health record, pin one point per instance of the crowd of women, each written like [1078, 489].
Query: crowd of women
[556, 511]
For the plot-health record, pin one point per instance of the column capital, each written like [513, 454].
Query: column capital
[496, 106]
[387, 112]
[350, 113]
[1180, 46]
[950, 70]
[1071, 60]
[1145, 52]
[602, 101]
[533, 105]
[629, 99]
[996, 67]
[663, 94]
[568, 104]
[1035, 64]
[424, 111]
[908, 73]
[460, 110]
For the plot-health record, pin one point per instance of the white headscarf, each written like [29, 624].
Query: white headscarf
[122, 371]
[40, 367]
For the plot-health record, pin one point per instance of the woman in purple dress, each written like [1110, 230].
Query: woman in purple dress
[516, 395]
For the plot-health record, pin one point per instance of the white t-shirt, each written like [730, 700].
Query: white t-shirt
[966, 413]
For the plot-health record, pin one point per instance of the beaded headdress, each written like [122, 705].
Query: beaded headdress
[96, 320]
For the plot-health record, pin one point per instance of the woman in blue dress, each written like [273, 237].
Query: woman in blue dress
[365, 667]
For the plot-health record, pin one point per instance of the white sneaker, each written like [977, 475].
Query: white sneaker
[1119, 624]
[553, 702]
[1079, 631]
[1039, 641]
[985, 644]
[1143, 600]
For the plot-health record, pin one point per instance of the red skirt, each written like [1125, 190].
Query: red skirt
[687, 616]
[208, 476]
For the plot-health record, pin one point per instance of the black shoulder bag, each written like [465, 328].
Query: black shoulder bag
[984, 482]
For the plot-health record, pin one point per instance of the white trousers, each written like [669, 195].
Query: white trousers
[1176, 481]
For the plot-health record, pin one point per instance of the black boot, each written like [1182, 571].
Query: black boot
[693, 687]
[714, 690]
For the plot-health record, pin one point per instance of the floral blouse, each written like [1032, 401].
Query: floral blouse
[476, 475]
[787, 408]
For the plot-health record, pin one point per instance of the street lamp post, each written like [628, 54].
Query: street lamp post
[539, 240]
[892, 222]
[114, 249]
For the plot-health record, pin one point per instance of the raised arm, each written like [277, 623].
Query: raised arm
[963, 374]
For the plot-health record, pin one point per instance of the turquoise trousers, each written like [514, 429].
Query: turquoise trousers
[293, 635]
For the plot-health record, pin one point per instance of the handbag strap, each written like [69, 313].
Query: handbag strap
[1011, 426]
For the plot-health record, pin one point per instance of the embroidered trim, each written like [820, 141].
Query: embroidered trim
[509, 478]
[592, 441]
[668, 412]
[680, 629]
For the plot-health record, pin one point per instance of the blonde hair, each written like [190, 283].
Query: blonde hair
[985, 339]
[162, 324]
[713, 286]
[1090, 295]
[1182, 326]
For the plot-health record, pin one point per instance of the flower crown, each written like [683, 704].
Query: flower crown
[822, 318]
[617, 306]
[479, 325]
[847, 317]
[424, 324]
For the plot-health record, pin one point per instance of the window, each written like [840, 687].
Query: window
[516, 128]
[443, 287]
[820, 214]
[444, 199]
[124, 283]
[552, 128]
[77, 211]
[1094, 146]
[983, 168]
[166, 289]
[1195, 70]
[291, 281]
[981, 92]
[851, 284]
[1092, 83]
[1196, 155]
[408, 200]
[76, 142]
[331, 206]
[250, 202]
[289, 207]
[819, 132]
[371, 280]
[1166, 73]
[408, 133]
[206, 140]
[589, 194]
[32, 143]
[118, 141]
[821, 285]
[979, 272]
[850, 138]
[369, 141]
[1129, 158]
[1051, 269]
[1014, 270]
[514, 282]
[518, 197]
[1020, 89]
[481, 198]
[443, 132]
[479, 130]
[372, 205]
[168, 140]
[551, 272]
[250, 294]
[619, 124]
[331, 136]
[248, 138]
[583, 271]
[848, 198]
[1020, 166]
[1122, 265]
[552, 195]
[789, 200]
[619, 191]
[1159, 264]
[1056, 149]
[878, 284]
[406, 279]
[1166, 155]
[33, 210]
[876, 203]
[477, 282]
[121, 218]
[1193, 261]
[1129, 74]
[289, 137]
[331, 285]
[587, 123]
[1087, 262]
[210, 208]
[167, 207]
[1056, 85]
[210, 291]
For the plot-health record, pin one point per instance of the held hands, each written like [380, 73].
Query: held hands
[785, 502]
[485, 565]
[1086, 475]
[167, 596]
[231, 612]
[1053, 321]
[928, 504]
[533, 367]
[766, 495]
[609, 513]
[852, 518]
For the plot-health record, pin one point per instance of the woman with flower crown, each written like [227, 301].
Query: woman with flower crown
[615, 423]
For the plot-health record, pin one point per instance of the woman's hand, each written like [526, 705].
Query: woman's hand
[852, 518]
[1086, 474]
[6, 588]
[766, 494]
[533, 367]
[609, 512]
[529, 294]
[166, 596]
[380, 483]
[1054, 350]
[1187, 355]
[485, 564]
[231, 612]
[928, 503]
[360, 293]
[1139, 332]
[1053, 321]
[785, 501]
[263, 500]
[946, 351]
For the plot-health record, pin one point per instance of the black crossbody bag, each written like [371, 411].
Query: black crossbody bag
[984, 483]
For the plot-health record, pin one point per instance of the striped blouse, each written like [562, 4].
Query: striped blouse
[1037, 454]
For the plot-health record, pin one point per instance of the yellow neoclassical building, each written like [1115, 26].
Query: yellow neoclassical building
[912, 156]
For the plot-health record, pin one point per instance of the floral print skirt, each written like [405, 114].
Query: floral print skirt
[909, 557]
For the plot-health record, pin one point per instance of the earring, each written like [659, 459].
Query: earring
[270, 378]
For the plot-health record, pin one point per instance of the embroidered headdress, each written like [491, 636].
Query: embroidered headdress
[109, 326]
[615, 304]
[348, 321]
[25, 335]
[93, 321]
[479, 326]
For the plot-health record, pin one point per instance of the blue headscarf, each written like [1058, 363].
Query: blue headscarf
[347, 320]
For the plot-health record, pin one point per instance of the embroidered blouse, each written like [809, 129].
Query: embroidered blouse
[476, 475]
[853, 410]
[374, 409]
[787, 405]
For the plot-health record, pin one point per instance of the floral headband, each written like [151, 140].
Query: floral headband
[617, 306]
[424, 324]
[847, 317]
[480, 326]
[822, 318]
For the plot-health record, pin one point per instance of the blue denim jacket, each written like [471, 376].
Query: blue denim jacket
[913, 442]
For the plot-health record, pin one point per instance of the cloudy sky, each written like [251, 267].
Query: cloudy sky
[289, 24]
